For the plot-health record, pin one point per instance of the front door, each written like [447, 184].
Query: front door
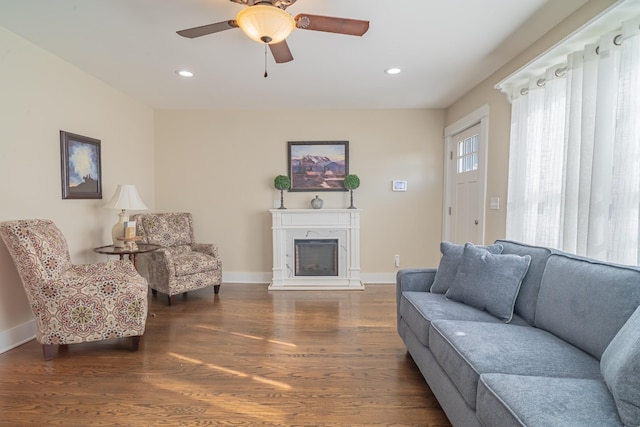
[466, 191]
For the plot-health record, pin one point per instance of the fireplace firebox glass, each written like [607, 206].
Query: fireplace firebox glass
[316, 257]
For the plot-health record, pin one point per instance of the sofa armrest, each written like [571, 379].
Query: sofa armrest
[413, 280]
[206, 248]
[157, 267]
[111, 294]
[120, 276]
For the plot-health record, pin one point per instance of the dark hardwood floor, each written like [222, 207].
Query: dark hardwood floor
[244, 357]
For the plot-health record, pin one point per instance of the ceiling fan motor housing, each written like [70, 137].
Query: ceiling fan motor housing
[282, 4]
[265, 23]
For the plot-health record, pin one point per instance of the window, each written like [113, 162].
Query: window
[467, 157]
[574, 162]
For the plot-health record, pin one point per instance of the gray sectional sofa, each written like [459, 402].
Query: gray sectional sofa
[567, 355]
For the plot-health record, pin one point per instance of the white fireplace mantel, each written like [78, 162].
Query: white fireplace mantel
[289, 225]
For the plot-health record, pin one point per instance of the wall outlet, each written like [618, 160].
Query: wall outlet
[396, 260]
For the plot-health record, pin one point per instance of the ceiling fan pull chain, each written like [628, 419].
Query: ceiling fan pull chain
[265, 61]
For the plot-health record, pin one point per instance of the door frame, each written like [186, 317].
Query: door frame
[479, 116]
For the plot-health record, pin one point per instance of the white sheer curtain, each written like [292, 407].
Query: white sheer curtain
[624, 227]
[574, 162]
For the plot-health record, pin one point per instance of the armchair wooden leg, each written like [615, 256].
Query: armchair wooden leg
[135, 342]
[169, 298]
[154, 292]
[49, 351]
[216, 289]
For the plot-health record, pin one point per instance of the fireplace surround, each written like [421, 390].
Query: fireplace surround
[316, 249]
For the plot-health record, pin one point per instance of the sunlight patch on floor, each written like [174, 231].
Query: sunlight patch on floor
[224, 401]
[231, 371]
[252, 337]
[288, 344]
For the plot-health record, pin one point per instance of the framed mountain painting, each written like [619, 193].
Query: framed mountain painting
[318, 166]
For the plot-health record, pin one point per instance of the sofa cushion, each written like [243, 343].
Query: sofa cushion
[467, 349]
[43, 249]
[515, 400]
[528, 294]
[419, 309]
[449, 263]
[194, 262]
[585, 302]
[620, 366]
[168, 229]
[489, 281]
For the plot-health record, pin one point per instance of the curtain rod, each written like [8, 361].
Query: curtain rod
[606, 21]
[617, 40]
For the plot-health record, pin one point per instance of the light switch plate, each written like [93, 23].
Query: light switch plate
[495, 203]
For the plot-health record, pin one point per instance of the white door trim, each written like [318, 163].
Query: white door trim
[481, 115]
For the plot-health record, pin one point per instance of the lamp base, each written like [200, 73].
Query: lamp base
[118, 230]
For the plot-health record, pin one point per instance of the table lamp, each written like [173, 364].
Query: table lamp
[125, 198]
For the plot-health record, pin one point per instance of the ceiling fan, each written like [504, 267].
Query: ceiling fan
[266, 21]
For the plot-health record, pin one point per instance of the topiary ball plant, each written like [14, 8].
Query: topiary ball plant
[282, 182]
[351, 182]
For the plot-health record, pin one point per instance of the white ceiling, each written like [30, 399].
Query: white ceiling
[445, 48]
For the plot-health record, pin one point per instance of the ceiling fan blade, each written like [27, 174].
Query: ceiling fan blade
[208, 29]
[281, 52]
[351, 27]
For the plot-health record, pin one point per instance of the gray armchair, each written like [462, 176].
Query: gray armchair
[181, 265]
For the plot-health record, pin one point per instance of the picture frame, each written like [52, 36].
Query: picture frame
[81, 167]
[318, 165]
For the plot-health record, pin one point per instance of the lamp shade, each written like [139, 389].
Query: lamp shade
[126, 197]
[265, 23]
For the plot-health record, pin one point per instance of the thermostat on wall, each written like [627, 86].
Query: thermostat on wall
[399, 186]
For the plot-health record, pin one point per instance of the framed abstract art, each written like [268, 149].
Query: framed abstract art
[80, 166]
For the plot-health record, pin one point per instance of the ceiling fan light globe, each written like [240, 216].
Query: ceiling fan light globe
[265, 21]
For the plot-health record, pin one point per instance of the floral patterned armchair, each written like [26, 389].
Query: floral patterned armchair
[181, 265]
[74, 303]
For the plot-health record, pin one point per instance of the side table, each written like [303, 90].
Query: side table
[142, 248]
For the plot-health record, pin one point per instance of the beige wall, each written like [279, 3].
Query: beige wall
[39, 96]
[220, 166]
[500, 113]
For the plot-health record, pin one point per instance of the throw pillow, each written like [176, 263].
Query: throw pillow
[449, 263]
[489, 281]
[620, 367]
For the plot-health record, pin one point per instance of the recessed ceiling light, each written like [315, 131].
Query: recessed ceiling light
[394, 70]
[184, 73]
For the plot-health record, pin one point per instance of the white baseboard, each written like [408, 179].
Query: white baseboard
[378, 278]
[243, 277]
[18, 335]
